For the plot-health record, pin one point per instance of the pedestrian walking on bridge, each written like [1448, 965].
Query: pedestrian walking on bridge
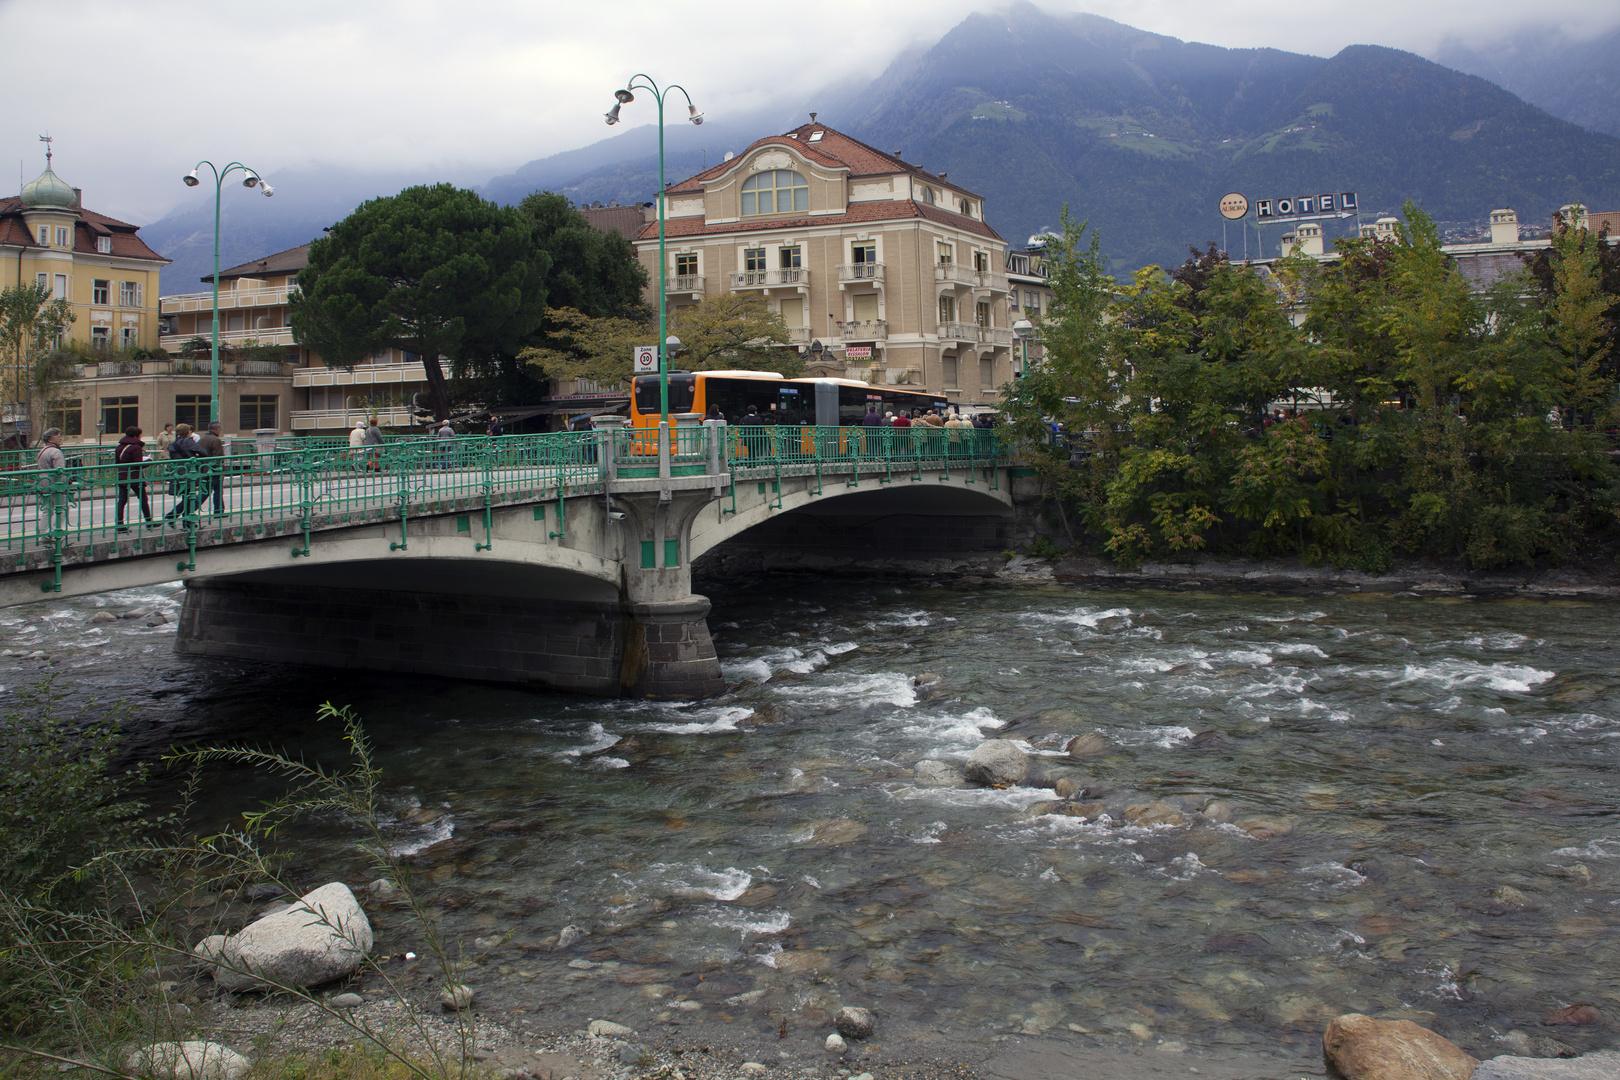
[130, 454]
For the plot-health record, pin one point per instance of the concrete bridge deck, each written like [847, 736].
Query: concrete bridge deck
[595, 529]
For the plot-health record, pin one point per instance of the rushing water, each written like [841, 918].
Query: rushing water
[769, 856]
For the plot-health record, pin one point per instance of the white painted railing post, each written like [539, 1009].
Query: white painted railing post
[717, 439]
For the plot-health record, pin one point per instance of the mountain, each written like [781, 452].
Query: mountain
[1570, 78]
[252, 226]
[1141, 134]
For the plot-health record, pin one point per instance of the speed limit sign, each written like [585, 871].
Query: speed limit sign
[646, 359]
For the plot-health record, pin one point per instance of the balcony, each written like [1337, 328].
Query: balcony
[685, 283]
[955, 274]
[798, 335]
[770, 279]
[995, 335]
[864, 330]
[860, 272]
[228, 298]
[960, 331]
[394, 416]
[361, 375]
[182, 366]
[281, 335]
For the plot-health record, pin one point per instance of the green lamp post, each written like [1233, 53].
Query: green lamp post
[250, 179]
[624, 97]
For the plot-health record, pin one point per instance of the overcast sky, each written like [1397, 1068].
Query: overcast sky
[134, 93]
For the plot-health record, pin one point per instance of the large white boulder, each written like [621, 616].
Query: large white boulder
[187, 1061]
[325, 936]
[997, 763]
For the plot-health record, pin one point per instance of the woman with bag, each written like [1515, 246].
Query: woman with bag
[130, 454]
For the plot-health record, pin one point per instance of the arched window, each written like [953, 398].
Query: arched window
[778, 191]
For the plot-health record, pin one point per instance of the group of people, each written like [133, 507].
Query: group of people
[177, 443]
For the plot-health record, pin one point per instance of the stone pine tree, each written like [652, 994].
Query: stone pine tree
[437, 271]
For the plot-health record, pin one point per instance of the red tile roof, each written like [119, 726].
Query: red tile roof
[833, 150]
[14, 232]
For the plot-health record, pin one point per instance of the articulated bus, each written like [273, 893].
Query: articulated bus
[779, 401]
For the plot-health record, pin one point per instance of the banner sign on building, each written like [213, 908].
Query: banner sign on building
[646, 359]
[1330, 204]
[857, 352]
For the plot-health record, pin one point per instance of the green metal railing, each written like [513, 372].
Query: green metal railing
[52, 517]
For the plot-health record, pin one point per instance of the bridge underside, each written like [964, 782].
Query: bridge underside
[546, 629]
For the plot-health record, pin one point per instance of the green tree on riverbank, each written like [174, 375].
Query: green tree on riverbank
[1433, 420]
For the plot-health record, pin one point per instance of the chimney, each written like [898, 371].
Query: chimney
[78, 197]
[1504, 227]
[1574, 215]
[1309, 238]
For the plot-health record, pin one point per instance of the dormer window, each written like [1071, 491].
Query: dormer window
[926, 194]
[775, 191]
[104, 245]
[815, 136]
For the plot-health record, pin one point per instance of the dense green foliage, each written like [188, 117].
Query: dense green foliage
[437, 271]
[1431, 419]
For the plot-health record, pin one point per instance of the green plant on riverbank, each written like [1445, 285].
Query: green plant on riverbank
[88, 974]
[1431, 419]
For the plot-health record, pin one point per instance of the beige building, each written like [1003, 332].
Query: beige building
[108, 276]
[295, 393]
[892, 269]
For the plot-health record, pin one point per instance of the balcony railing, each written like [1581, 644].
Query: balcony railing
[961, 331]
[798, 335]
[686, 283]
[864, 330]
[280, 335]
[228, 298]
[861, 272]
[361, 375]
[395, 416]
[769, 279]
[957, 274]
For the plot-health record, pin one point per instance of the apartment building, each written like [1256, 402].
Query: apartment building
[892, 269]
[99, 265]
[1029, 297]
[296, 392]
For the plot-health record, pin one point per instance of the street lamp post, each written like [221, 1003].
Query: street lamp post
[622, 98]
[1023, 329]
[250, 179]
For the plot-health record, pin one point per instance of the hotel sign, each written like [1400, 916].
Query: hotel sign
[1329, 204]
[1234, 206]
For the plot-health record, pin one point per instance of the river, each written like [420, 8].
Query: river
[1414, 813]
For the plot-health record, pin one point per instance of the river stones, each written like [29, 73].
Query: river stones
[1087, 746]
[1357, 1047]
[997, 763]
[932, 773]
[193, 1060]
[1574, 1016]
[835, 832]
[1157, 812]
[456, 998]
[607, 1029]
[1508, 896]
[1603, 1065]
[1066, 787]
[853, 1023]
[1265, 828]
[325, 936]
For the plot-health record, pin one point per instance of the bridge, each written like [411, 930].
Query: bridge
[560, 560]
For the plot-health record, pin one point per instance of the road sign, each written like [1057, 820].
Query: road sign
[646, 359]
[1234, 206]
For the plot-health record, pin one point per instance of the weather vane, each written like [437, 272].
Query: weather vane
[46, 139]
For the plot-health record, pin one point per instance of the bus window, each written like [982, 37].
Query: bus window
[681, 392]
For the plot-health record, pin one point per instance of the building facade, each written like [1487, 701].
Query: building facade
[891, 269]
[105, 272]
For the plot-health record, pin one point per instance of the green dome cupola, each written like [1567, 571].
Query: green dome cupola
[48, 191]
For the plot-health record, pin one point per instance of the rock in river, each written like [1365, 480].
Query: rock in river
[1603, 1065]
[1087, 745]
[931, 773]
[1357, 1047]
[853, 1023]
[997, 763]
[325, 936]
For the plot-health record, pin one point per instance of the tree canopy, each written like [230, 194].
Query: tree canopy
[1420, 416]
[30, 325]
[437, 271]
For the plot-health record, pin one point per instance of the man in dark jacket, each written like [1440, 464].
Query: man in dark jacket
[183, 447]
[129, 455]
[213, 446]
